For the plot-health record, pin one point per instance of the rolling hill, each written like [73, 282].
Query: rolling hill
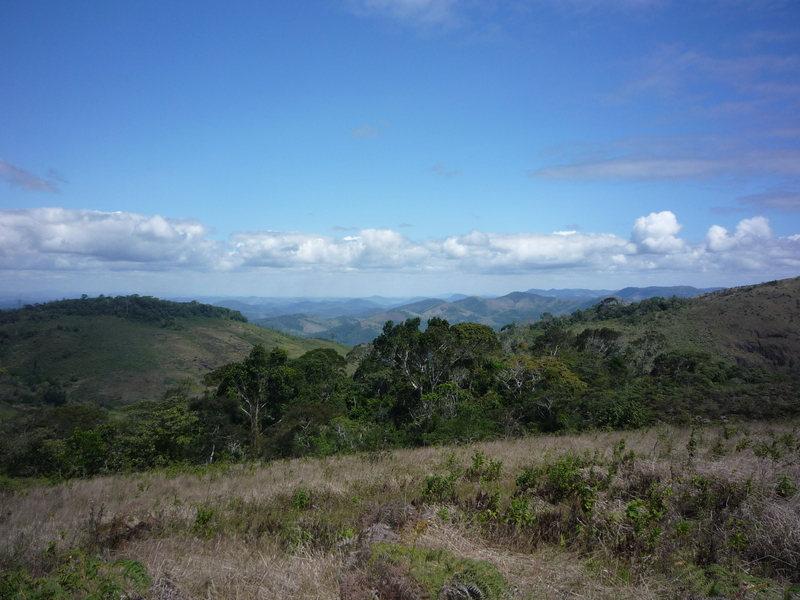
[752, 326]
[119, 358]
[755, 326]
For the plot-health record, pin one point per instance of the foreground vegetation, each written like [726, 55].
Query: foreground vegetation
[662, 512]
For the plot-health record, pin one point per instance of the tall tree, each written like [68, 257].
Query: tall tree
[440, 354]
[260, 385]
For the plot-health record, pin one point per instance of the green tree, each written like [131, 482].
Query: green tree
[159, 433]
[440, 354]
[323, 373]
[262, 385]
[645, 348]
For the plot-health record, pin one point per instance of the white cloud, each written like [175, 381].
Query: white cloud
[656, 233]
[55, 241]
[515, 252]
[53, 237]
[749, 233]
[372, 248]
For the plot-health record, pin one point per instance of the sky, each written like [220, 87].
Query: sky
[397, 147]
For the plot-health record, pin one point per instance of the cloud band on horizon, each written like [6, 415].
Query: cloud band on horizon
[62, 240]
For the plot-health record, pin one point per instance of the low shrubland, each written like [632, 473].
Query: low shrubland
[663, 512]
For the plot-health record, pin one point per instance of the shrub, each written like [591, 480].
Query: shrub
[483, 468]
[440, 488]
[563, 480]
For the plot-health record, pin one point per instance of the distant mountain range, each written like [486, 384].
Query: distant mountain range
[354, 321]
[362, 324]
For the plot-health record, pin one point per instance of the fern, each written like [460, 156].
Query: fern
[78, 577]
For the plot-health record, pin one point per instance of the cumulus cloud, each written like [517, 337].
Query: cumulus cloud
[656, 233]
[517, 252]
[52, 239]
[748, 233]
[372, 248]
[28, 181]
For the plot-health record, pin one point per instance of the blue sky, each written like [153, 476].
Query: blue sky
[397, 147]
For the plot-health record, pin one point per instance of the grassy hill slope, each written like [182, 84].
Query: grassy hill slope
[753, 326]
[757, 325]
[113, 359]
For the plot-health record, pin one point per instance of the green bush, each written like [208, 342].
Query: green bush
[483, 468]
[563, 480]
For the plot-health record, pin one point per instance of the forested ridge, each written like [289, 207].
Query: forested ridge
[612, 366]
[144, 308]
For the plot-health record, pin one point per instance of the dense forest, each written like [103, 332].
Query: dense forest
[611, 366]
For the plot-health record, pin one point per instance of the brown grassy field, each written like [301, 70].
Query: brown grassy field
[288, 529]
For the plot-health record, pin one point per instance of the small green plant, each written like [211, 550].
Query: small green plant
[440, 488]
[444, 514]
[520, 513]
[528, 479]
[203, 520]
[619, 456]
[683, 528]
[785, 486]
[563, 480]
[483, 468]
[719, 449]
[302, 500]
[728, 430]
[488, 506]
[666, 443]
[433, 574]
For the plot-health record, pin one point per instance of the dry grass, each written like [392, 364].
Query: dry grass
[281, 530]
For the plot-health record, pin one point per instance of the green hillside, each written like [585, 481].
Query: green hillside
[756, 326]
[118, 350]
